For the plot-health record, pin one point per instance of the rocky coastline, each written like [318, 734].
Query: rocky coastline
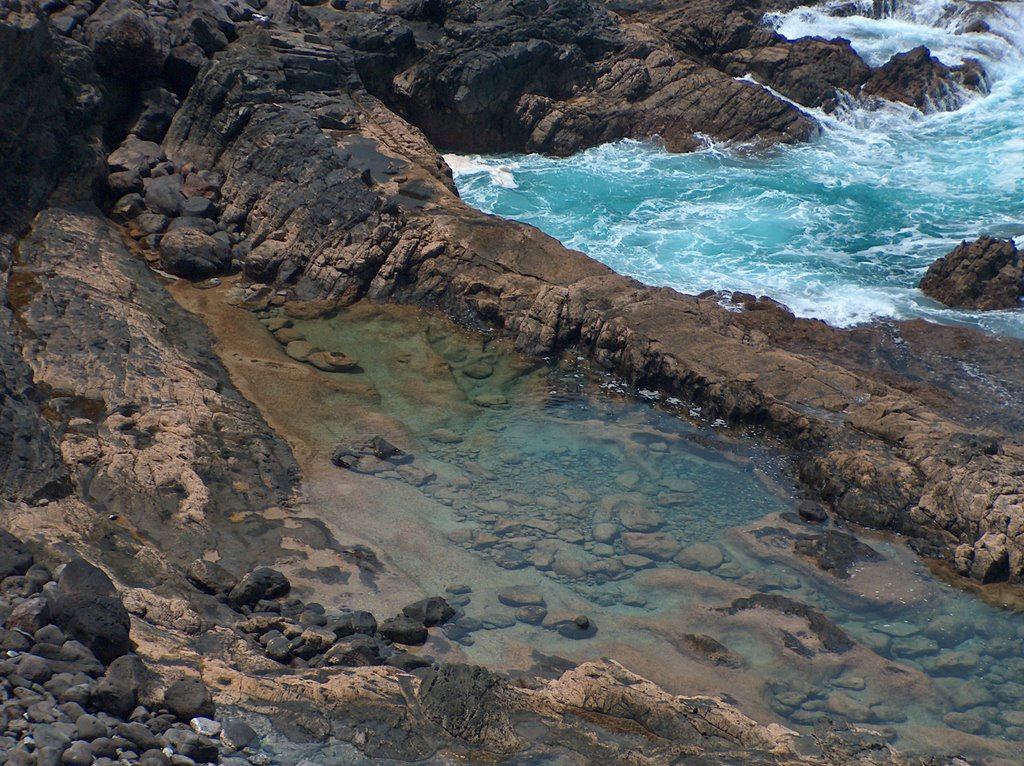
[297, 146]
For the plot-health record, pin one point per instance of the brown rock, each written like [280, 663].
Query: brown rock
[985, 274]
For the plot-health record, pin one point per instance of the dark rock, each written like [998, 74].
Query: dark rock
[832, 637]
[279, 649]
[127, 42]
[713, 650]
[89, 727]
[190, 253]
[354, 622]
[578, 628]
[430, 611]
[127, 207]
[985, 274]
[237, 735]
[139, 735]
[198, 207]
[812, 512]
[156, 111]
[34, 669]
[163, 194]
[87, 607]
[261, 583]
[402, 630]
[135, 155]
[406, 661]
[809, 70]
[355, 650]
[835, 551]
[191, 745]
[376, 446]
[79, 754]
[30, 615]
[118, 691]
[189, 698]
[468, 702]
[210, 577]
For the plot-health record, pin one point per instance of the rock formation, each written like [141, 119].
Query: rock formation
[985, 274]
[303, 155]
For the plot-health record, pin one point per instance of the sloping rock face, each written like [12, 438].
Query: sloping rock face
[985, 274]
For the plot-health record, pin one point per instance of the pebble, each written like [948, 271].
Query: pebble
[703, 556]
[206, 726]
[520, 595]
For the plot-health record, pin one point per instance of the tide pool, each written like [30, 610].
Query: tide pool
[841, 228]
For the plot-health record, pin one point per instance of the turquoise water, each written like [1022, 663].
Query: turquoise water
[541, 477]
[841, 228]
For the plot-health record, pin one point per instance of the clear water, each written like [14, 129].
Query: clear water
[516, 464]
[842, 228]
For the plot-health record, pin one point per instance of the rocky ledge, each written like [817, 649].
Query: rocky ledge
[297, 145]
[985, 274]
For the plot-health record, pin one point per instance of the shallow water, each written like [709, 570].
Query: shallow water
[516, 466]
[842, 228]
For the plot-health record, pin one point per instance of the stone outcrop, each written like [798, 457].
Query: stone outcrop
[985, 274]
[387, 226]
[919, 79]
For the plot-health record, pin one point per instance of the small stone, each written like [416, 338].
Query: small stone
[444, 436]
[855, 683]
[237, 735]
[654, 545]
[90, 727]
[188, 698]
[354, 650]
[635, 561]
[628, 479]
[531, 615]
[79, 754]
[430, 611]
[299, 350]
[964, 722]
[849, 708]
[605, 533]
[205, 726]
[637, 518]
[331, 361]
[520, 596]
[703, 556]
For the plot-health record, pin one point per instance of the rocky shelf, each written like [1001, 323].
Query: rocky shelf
[296, 146]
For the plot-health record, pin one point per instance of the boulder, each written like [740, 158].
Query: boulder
[87, 607]
[654, 545]
[189, 698]
[430, 611]
[117, 691]
[210, 577]
[354, 622]
[15, 557]
[983, 274]
[163, 194]
[193, 254]
[403, 630]
[355, 650]
[128, 43]
[259, 584]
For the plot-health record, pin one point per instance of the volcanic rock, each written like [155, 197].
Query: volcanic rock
[259, 584]
[188, 698]
[88, 608]
[985, 274]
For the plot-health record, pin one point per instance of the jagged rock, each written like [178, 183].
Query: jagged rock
[919, 79]
[469, 702]
[156, 110]
[985, 274]
[354, 622]
[189, 698]
[237, 735]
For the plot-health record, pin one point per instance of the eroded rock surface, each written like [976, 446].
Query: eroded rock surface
[985, 274]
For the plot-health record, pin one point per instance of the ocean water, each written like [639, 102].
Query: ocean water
[841, 228]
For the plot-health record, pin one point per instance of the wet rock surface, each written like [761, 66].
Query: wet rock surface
[984, 274]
